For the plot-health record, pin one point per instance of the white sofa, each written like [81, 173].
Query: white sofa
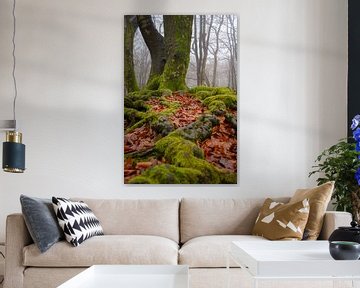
[194, 232]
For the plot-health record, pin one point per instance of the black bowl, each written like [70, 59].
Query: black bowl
[344, 250]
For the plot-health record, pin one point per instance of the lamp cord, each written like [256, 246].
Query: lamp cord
[14, 61]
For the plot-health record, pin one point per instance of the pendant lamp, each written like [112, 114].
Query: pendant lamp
[13, 160]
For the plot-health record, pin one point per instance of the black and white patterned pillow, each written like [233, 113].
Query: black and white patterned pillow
[77, 220]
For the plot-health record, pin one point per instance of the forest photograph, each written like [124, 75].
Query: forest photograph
[180, 99]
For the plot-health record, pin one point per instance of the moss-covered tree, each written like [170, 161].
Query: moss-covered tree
[130, 82]
[155, 43]
[177, 30]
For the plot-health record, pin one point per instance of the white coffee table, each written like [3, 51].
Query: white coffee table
[285, 260]
[131, 276]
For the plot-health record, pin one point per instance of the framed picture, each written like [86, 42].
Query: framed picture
[180, 99]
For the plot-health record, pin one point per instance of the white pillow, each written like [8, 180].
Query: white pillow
[76, 220]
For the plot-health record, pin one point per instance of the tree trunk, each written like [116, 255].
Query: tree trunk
[129, 73]
[205, 48]
[196, 51]
[217, 33]
[155, 42]
[177, 30]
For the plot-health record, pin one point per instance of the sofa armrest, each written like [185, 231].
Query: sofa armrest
[333, 220]
[17, 237]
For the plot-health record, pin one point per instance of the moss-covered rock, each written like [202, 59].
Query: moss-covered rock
[200, 130]
[228, 178]
[210, 91]
[229, 100]
[147, 119]
[168, 174]
[133, 116]
[140, 105]
[197, 89]
[231, 119]
[223, 90]
[162, 126]
[141, 180]
[136, 100]
[203, 94]
[171, 144]
[186, 154]
[217, 107]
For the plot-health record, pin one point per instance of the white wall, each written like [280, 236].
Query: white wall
[293, 62]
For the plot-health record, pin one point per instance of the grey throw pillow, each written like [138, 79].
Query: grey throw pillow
[41, 221]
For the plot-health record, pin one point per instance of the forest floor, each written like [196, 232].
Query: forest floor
[219, 148]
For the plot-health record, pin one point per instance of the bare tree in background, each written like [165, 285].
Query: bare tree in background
[231, 45]
[214, 49]
[142, 60]
[200, 45]
[213, 57]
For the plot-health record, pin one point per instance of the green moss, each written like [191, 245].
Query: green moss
[153, 83]
[229, 100]
[186, 154]
[141, 180]
[217, 107]
[131, 98]
[148, 118]
[201, 129]
[231, 120]
[223, 90]
[162, 126]
[177, 29]
[228, 178]
[159, 93]
[197, 89]
[211, 91]
[140, 105]
[129, 72]
[171, 144]
[165, 92]
[132, 116]
[203, 94]
[168, 174]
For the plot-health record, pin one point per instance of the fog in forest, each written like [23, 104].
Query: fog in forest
[213, 56]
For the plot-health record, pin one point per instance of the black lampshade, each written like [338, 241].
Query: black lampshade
[13, 153]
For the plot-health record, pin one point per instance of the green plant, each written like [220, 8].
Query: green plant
[341, 163]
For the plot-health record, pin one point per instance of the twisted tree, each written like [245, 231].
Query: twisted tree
[170, 54]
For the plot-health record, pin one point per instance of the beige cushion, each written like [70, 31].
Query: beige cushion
[159, 217]
[279, 221]
[211, 251]
[200, 217]
[319, 198]
[107, 249]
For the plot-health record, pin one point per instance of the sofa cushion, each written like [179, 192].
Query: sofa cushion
[41, 221]
[319, 198]
[77, 220]
[200, 217]
[107, 249]
[158, 217]
[279, 221]
[211, 251]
